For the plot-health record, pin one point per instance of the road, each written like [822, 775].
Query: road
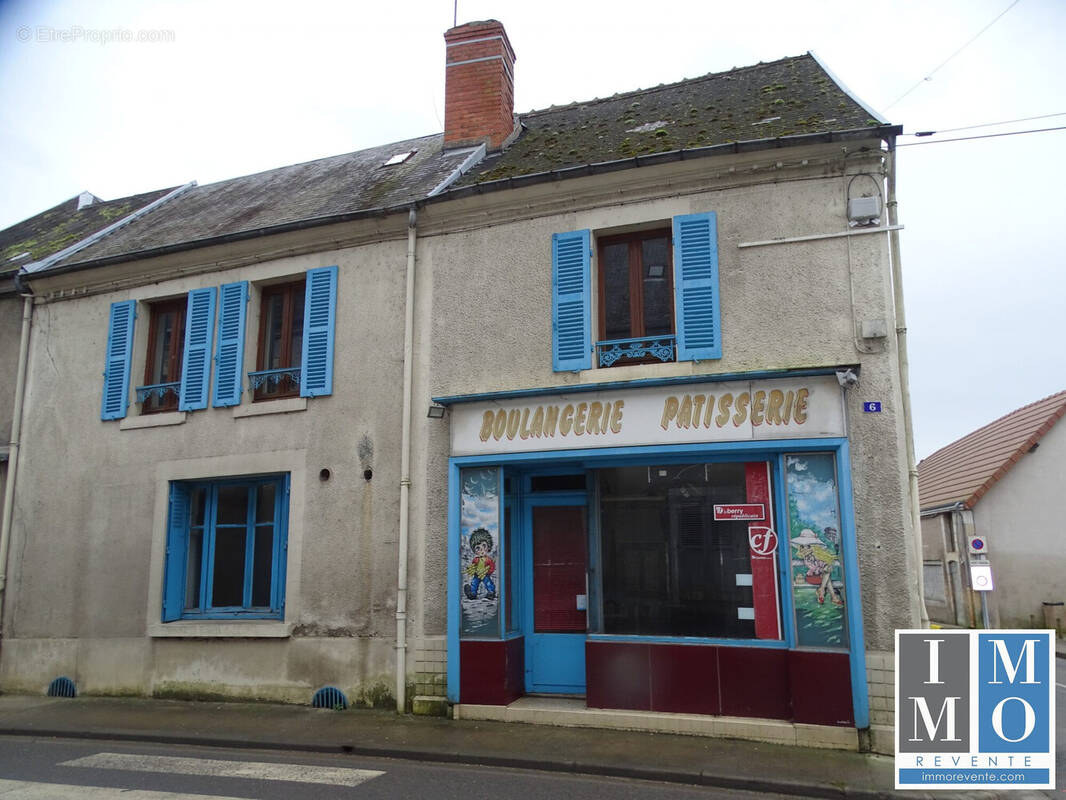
[67, 769]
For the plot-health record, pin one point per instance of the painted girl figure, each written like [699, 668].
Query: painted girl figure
[819, 561]
[481, 567]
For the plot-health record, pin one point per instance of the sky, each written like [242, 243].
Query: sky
[127, 97]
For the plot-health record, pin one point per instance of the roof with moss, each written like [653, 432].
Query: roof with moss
[300, 195]
[789, 97]
[761, 106]
[64, 225]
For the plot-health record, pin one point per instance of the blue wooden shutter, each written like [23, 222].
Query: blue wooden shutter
[177, 542]
[699, 323]
[320, 308]
[196, 360]
[229, 358]
[117, 361]
[571, 301]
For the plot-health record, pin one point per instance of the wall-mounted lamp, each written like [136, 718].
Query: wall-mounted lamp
[436, 411]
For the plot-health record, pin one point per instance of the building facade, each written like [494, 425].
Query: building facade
[604, 407]
[992, 498]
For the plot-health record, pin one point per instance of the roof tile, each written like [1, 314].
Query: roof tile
[966, 469]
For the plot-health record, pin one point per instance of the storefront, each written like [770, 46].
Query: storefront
[676, 548]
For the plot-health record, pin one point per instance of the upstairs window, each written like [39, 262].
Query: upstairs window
[177, 359]
[636, 299]
[658, 296]
[281, 329]
[295, 356]
[162, 370]
[297, 323]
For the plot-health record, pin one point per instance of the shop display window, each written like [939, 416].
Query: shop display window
[669, 568]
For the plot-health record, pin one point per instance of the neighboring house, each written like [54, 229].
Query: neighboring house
[1000, 487]
[568, 403]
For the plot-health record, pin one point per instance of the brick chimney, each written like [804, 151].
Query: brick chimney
[478, 85]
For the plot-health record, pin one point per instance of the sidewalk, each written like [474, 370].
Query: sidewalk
[681, 759]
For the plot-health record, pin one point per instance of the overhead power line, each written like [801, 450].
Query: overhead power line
[929, 77]
[984, 136]
[986, 125]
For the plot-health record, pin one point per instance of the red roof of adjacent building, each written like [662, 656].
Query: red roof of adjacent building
[966, 469]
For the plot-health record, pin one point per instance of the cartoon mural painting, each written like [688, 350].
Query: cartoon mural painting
[481, 567]
[817, 570]
[820, 562]
[479, 540]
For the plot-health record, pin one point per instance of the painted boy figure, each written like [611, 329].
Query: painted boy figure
[481, 567]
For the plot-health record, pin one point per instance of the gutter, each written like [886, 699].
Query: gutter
[884, 132]
[905, 384]
[13, 449]
[405, 469]
[936, 510]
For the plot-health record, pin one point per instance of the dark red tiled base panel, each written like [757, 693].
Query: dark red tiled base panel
[821, 688]
[491, 673]
[732, 681]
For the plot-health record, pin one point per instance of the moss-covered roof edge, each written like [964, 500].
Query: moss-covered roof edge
[884, 132]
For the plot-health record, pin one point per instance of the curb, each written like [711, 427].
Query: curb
[759, 785]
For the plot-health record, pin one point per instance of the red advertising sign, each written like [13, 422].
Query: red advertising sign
[753, 512]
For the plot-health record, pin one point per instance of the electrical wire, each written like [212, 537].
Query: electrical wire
[984, 136]
[929, 77]
[986, 125]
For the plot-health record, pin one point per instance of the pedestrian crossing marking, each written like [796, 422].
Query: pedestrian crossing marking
[254, 770]
[31, 790]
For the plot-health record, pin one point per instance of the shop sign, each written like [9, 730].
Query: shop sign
[763, 541]
[740, 512]
[734, 411]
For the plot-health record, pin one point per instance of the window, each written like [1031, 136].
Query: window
[162, 370]
[670, 568]
[281, 329]
[226, 546]
[296, 331]
[636, 298]
[295, 352]
[658, 296]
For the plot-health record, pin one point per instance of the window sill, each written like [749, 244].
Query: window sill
[284, 406]
[201, 629]
[153, 420]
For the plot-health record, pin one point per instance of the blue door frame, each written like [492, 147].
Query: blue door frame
[771, 450]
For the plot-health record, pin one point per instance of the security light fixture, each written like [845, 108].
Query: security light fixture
[847, 378]
[436, 411]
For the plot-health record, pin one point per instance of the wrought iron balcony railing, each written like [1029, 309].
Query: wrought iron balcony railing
[158, 389]
[610, 351]
[274, 376]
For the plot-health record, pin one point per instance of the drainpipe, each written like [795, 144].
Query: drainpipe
[405, 470]
[904, 381]
[13, 452]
